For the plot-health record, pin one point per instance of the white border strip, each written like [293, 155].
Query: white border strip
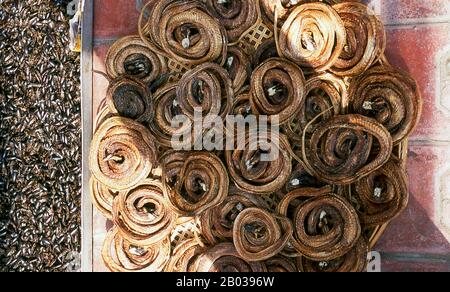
[86, 126]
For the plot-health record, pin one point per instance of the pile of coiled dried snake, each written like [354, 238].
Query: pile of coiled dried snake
[344, 114]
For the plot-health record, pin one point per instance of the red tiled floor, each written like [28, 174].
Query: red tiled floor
[414, 232]
[100, 52]
[114, 19]
[416, 50]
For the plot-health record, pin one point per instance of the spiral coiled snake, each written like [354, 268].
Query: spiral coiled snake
[236, 16]
[184, 31]
[389, 96]
[278, 89]
[130, 98]
[122, 153]
[325, 227]
[313, 36]
[121, 256]
[217, 223]
[130, 56]
[383, 194]
[339, 151]
[207, 88]
[142, 215]
[194, 182]
[365, 39]
[253, 169]
[259, 235]
[225, 258]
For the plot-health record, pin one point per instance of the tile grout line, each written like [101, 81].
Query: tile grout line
[416, 257]
[418, 22]
[428, 142]
[105, 41]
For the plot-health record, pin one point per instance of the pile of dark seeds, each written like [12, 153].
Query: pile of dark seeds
[40, 138]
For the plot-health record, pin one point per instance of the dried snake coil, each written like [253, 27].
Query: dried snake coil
[167, 109]
[383, 194]
[259, 235]
[184, 255]
[265, 51]
[142, 215]
[194, 181]
[122, 153]
[277, 89]
[129, 56]
[130, 98]
[103, 113]
[121, 256]
[224, 257]
[280, 264]
[241, 105]
[313, 36]
[238, 66]
[283, 8]
[326, 95]
[259, 165]
[389, 96]
[366, 39]
[208, 88]
[342, 149]
[354, 261]
[183, 30]
[237, 16]
[217, 223]
[325, 227]
[288, 205]
[301, 178]
[102, 197]
[270, 7]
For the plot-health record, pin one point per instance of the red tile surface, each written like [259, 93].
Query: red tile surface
[414, 232]
[100, 52]
[415, 50]
[115, 18]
